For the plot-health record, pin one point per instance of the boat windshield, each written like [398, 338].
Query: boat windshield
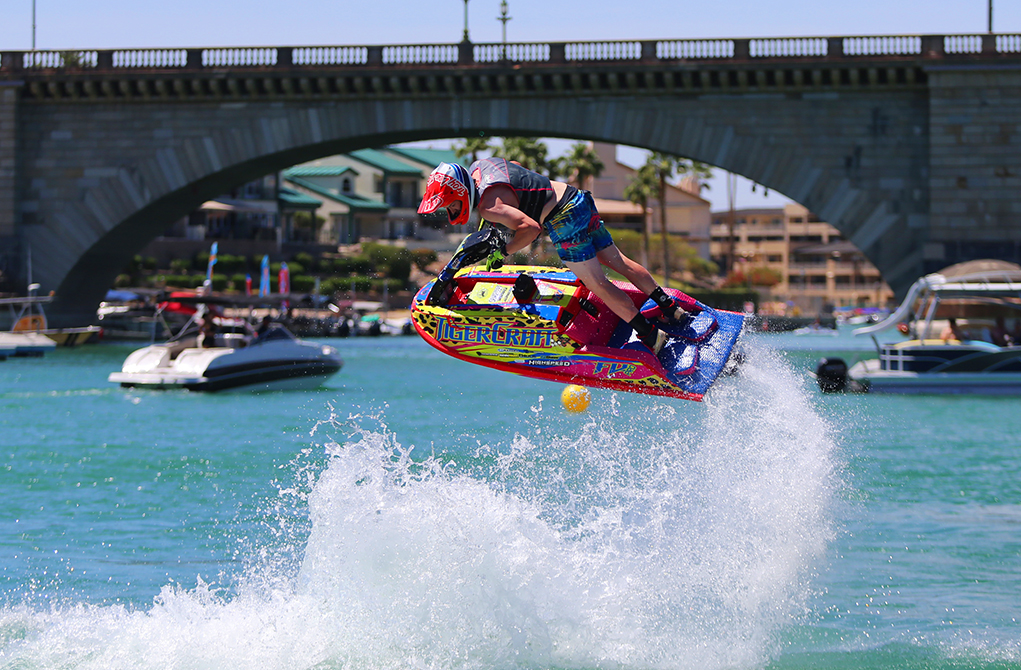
[275, 332]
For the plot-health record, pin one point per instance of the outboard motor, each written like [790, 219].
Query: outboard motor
[831, 375]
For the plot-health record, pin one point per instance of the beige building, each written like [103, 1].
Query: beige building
[815, 265]
[687, 214]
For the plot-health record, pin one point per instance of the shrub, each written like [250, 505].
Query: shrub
[302, 283]
[306, 260]
[219, 282]
[229, 264]
[400, 268]
[353, 264]
[237, 281]
[178, 281]
[423, 258]
[294, 268]
[179, 265]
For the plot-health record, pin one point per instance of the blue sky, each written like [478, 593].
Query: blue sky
[99, 24]
[66, 24]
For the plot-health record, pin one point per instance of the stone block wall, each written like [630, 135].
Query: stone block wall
[975, 159]
[8, 157]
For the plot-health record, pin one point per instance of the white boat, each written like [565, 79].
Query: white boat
[816, 330]
[274, 360]
[25, 344]
[976, 298]
[31, 333]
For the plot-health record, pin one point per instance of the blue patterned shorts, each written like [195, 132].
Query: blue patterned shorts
[576, 230]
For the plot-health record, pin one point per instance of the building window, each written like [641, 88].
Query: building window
[345, 186]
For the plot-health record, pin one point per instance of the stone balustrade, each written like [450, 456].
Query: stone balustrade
[553, 53]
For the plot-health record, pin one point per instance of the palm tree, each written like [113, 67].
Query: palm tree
[528, 151]
[472, 146]
[644, 185]
[664, 167]
[582, 162]
[702, 172]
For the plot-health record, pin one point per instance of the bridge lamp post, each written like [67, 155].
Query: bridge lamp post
[503, 18]
[466, 21]
[33, 25]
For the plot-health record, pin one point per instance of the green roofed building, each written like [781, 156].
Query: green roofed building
[428, 158]
[349, 216]
[372, 194]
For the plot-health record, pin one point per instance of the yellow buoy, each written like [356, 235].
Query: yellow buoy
[576, 398]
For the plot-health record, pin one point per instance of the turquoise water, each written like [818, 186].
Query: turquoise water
[423, 512]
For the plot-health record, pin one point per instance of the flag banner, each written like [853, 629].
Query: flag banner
[284, 278]
[212, 262]
[264, 280]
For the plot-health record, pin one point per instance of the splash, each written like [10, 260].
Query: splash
[681, 542]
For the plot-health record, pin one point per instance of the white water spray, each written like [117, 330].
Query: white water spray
[634, 547]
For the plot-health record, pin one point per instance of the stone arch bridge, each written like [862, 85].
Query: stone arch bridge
[910, 145]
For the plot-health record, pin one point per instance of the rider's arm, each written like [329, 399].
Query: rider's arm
[496, 207]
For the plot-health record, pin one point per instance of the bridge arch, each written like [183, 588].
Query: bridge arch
[817, 151]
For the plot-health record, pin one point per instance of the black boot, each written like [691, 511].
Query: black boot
[671, 312]
[648, 333]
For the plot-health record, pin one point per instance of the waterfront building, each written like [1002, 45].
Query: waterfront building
[347, 215]
[687, 214]
[814, 268]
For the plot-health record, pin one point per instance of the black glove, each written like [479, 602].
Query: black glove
[496, 258]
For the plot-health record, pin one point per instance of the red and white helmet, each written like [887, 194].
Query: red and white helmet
[447, 183]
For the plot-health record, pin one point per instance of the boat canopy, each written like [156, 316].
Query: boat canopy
[992, 285]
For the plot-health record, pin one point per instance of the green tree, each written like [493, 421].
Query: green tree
[308, 221]
[581, 163]
[643, 187]
[528, 151]
[471, 147]
[664, 167]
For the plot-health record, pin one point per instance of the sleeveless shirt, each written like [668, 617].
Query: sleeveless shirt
[532, 189]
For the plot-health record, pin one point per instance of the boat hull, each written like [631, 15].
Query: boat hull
[935, 366]
[283, 365]
[26, 344]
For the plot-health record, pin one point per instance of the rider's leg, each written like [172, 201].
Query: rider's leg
[636, 273]
[591, 275]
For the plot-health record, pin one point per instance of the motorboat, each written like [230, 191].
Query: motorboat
[25, 344]
[272, 360]
[816, 330]
[30, 332]
[950, 337]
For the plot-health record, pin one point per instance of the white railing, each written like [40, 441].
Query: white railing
[603, 51]
[420, 53]
[696, 49]
[962, 44]
[60, 59]
[786, 47]
[932, 46]
[887, 45]
[239, 57]
[150, 58]
[330, 55]
[1008, 44]
[515, 53]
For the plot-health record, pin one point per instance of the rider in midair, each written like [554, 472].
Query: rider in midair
[526, 202]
